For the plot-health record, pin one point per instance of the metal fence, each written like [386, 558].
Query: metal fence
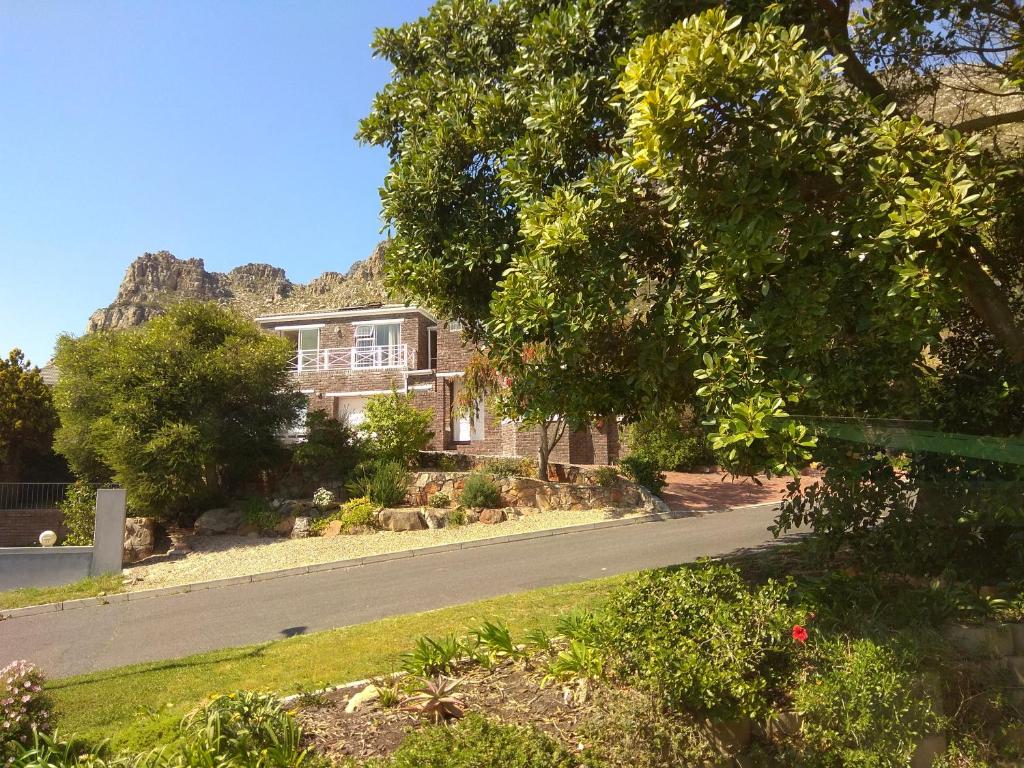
[32, 495]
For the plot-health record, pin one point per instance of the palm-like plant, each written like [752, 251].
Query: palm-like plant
[435, 700]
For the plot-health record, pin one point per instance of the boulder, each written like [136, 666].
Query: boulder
[248, 529]
[284, 528]
[218, 521]
[368, 695]
[334, 528]
[435, 517]
[300, 530]
[473, 515]
[402, 519]
[139, 538]
[492, 516]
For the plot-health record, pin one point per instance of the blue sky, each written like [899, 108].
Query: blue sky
[216, 130]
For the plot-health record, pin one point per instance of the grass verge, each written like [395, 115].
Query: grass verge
[138, 707]
[91, 587]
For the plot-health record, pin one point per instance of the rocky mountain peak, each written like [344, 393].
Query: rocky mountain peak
[155, 280]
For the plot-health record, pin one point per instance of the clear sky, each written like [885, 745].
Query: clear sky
[215, 130]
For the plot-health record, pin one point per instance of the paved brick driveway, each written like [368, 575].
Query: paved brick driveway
[690, 491]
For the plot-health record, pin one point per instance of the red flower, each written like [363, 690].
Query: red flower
[799, 634]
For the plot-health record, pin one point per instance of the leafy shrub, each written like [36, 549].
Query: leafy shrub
[243, 728]
[24, 708]
[509, 466]
[480, 490]
[476, 742]
[79, 514]
[260, 514]
[625, 728]
[578, 661]
[384, 482]
[323, 498]
[331, 448]
[353, 513]
[606, 477]
[643, 471]
[865, 708]
[670, 440]
[431, 657]
[439, 499]
[701, 639]
[457, 517]
[493, 643]
[395, 429]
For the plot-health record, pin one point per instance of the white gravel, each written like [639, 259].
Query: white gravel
[221, 557]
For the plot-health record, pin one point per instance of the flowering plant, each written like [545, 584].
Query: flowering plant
[24, 707]
[323, 498]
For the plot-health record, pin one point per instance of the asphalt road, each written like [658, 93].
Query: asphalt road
[72, 642]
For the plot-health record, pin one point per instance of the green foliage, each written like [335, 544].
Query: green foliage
[643, 471]
[457, 517]
[508, 466]
[606, 477]
[430, 657]
[383, 481]
[27, 418]
[395, 429]
[260, 514]
[492, 643]
[701, 639]
[865, 707]
[330, 450]
[628, 729]
[578, 661]
[480, 490]
[177, 410]
[360, 512]
[439, 500]
[635, 205]
[78, 513]
[672, 440]
[475, 742]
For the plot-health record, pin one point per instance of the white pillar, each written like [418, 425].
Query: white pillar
[108, 539]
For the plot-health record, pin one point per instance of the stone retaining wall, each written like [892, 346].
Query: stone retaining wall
[529, 492]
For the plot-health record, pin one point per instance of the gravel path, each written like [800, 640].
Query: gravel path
[221, 557]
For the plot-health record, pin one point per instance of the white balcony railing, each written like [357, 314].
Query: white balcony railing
[352, 358]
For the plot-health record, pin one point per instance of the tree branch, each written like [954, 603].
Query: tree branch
[837, 16]
[990, 304]
[990, 121]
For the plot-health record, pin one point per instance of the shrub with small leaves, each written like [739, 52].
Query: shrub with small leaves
[606, 477]
[382, 481]
[457, 517]
[24, 708]
[353, 514]
[509, 466]
[260, 514]
[643, 471]
[78, 512]
[480, 490]
[439, 499]
[323, 498]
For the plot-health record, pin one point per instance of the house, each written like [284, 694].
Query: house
[345, 356]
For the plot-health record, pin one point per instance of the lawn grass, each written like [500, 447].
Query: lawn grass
[91, 587]
[138, 707]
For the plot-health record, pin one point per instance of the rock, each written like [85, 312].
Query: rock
[435, 517]
[368, 695]
[284, 528]
[401, 519]
[472, 515]
[731, 736]
[218, 521]
[986, 640]
[301, 528]
[334, 528]
[248, 529]
[492, 516]
[139, 538]
[783, 725]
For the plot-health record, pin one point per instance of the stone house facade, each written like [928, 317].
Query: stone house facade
[345, 356]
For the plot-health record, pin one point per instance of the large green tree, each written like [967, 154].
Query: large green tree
[178, 410]
[634, 202]
[27, 419]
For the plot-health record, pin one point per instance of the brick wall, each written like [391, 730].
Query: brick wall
[21, 527]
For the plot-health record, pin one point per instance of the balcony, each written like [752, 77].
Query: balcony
[368, 358]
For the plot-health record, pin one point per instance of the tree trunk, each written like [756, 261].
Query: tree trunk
[547, 444]
[990, 304]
